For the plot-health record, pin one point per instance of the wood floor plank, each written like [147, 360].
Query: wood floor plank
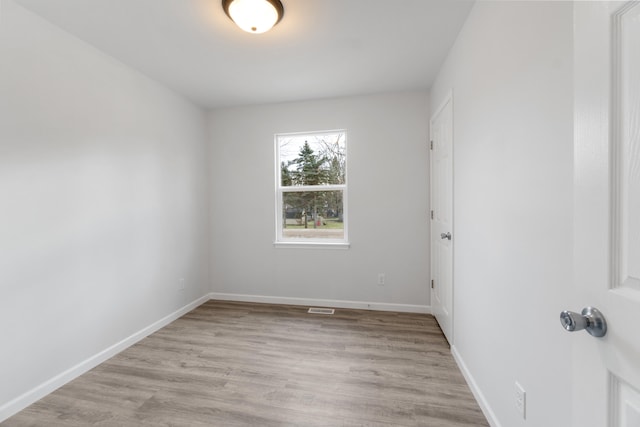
[241, 364]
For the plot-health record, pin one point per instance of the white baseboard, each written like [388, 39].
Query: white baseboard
[19, 403]
[406, 308]
[477, 393]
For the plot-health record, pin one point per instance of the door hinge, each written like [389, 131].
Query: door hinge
[431, 214]
[432, 284]
[431, 145]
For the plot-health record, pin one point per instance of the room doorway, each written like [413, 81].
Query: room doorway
[606, 370]
[441, 183]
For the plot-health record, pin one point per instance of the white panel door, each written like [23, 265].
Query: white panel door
[442, 217]
[606, 371]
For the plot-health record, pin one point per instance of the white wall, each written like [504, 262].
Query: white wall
[388, 195]
[103, 203]
[511, 75]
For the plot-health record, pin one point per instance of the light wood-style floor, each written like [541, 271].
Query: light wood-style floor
[238, 364]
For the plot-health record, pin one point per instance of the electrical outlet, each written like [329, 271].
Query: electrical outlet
[521, 401]
[181, 284]
[381, 279]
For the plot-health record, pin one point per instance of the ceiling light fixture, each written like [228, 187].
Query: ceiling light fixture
[254, 16]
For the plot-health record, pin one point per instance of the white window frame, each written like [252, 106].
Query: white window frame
[283, 242]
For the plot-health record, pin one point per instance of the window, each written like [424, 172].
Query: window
[311, 188]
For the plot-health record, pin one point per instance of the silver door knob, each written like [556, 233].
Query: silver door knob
[446, 235]
[590, 320]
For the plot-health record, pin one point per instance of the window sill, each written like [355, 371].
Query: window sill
[311, 245]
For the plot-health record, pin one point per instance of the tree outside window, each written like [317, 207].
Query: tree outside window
[311, 187]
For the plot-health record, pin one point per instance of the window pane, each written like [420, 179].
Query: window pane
[316, 159]
[312, 215]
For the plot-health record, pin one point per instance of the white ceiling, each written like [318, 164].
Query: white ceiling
[321, 48]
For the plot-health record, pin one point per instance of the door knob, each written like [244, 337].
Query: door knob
[446, 235]
[591, 320]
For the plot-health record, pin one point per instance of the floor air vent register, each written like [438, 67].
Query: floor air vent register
[317, 310]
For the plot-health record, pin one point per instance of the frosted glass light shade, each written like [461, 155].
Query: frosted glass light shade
[254, 16]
